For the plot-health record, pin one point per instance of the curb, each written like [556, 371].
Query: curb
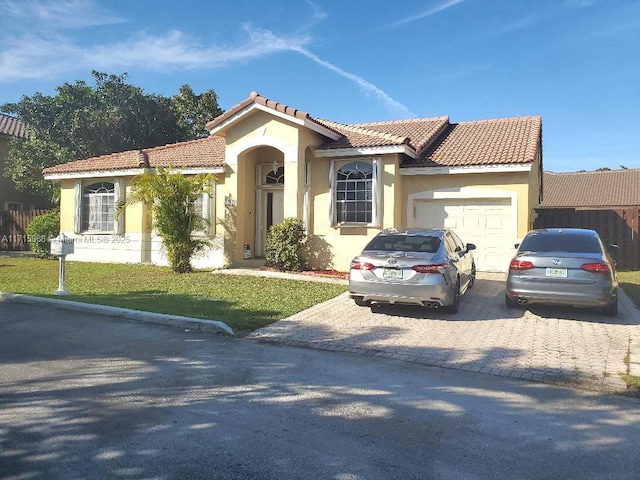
[213, 326]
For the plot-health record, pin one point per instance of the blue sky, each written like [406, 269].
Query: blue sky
[574, 62]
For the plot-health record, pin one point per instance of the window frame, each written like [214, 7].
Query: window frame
[105, 219]
[80, 196]
[376, 198]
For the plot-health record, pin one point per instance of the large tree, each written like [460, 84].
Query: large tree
[83, 121]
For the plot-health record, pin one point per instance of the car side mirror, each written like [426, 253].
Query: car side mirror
[516, 246]
[470, 246]
[614, 251]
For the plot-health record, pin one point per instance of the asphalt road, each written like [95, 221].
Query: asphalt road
[88, 396]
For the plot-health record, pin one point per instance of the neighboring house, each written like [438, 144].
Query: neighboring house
[10, 197]
[607, 201]
[603, 189]
[345, 182]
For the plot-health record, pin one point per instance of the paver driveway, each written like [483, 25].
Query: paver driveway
[565, 346]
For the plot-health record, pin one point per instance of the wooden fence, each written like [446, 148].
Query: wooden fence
[13, 229]
[619, 226]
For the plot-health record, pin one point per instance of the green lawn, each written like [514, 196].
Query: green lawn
[242, 302]
[630, 283]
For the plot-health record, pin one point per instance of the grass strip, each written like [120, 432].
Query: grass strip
[244, 303]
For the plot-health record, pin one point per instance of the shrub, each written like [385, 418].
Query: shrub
[285, 245]
[172, 197]
[40, 230]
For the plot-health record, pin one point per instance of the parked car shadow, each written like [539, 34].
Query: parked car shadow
[485, 301]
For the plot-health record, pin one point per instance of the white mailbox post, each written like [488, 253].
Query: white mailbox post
[61, 246]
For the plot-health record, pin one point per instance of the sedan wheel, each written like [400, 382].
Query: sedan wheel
[455, 306]
[472, 278]
[360, 302]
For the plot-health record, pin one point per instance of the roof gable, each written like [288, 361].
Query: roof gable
[416, 134]
[255, 101]
[609, 188]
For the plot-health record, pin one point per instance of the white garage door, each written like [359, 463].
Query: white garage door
[487, 222]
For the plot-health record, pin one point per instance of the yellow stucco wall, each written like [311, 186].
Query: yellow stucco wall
[136, 218]
[260, 139]
[345, 242]
[517, 182]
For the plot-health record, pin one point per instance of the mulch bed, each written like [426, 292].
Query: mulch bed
[318, 273]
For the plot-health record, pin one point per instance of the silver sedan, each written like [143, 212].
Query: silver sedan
[432, 268]
[563, 266]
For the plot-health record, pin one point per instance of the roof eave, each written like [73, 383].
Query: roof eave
[128, 172]
[359, 151]
[510, 168]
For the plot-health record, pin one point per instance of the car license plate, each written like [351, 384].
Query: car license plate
[557, 272]
[392, 273]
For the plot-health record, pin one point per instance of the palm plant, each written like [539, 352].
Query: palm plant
[172, 197]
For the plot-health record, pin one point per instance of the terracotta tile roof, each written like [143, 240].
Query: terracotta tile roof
[256, 98]
[205, 152]
[435, 141]
[487, 142]
[416, 133]
[614, 188]
[421, 131]
[353, 136]
[12, 126]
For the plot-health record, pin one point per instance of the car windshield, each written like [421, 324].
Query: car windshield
[560, 242]
[405, 243]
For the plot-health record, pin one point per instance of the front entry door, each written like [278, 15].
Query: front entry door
[272, 213]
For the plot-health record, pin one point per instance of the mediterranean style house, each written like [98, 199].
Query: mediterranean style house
[344, 182]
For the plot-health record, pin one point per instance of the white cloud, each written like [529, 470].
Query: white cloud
[367, 87]
[56, 15]
[425, 13]
[32, 56]
[51, 54]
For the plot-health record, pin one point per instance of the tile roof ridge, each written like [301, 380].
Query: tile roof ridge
[408, 120]
[277, 106]
[366, 131]
[501, 119]
[255, 98]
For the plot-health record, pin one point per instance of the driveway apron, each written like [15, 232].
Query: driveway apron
[564, 346]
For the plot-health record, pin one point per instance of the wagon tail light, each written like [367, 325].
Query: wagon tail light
[520, 265]
[358, 265]
[435, 268]
[596, 267]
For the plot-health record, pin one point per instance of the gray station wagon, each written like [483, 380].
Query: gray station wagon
[427, 267]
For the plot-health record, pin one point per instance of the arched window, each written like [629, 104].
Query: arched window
[354, 193]
[98, 207]
[275, 177]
